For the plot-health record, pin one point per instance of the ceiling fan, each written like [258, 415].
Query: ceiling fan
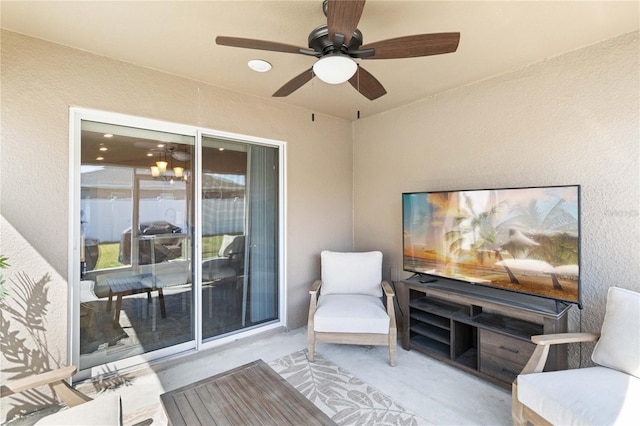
[338, 43]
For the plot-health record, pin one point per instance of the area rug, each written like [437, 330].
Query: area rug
[340, 395]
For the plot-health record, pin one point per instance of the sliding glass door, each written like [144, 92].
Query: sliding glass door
[239, 235]
[179, 239]
[136, 206]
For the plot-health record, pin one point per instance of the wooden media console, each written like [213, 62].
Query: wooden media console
[481, 330]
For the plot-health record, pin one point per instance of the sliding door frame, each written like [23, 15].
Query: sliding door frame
[76, 116]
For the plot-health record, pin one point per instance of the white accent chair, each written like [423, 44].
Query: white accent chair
[82, 410]
[349, 309]
[605, 394]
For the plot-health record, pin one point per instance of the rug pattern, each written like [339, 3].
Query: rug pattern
[340, 395]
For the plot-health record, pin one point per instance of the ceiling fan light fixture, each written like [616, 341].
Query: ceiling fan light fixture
[335, 69]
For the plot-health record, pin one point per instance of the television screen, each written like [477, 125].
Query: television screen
[520, 239]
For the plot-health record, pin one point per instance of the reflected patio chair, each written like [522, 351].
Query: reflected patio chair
[230, 260]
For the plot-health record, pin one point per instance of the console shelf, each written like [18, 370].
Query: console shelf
[481, 330]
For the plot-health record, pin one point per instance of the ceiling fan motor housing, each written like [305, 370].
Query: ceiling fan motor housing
[319, 41]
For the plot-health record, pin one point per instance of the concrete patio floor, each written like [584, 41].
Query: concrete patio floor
[440, 394]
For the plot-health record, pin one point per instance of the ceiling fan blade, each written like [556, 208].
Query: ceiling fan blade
[343, 17]
[294, 84]
[248, 43]
[414, 46]
[367, 84]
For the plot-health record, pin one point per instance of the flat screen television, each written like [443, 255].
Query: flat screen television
[525, 240]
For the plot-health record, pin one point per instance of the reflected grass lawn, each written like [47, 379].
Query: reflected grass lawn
[108, 257]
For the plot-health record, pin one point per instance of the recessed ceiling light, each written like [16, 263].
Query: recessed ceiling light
[108, 135]
[149, 154]
[99, 158]
[259, 65]
[103, 148]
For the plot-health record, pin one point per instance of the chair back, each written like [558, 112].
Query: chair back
[231, 244]
[619, 343]
[351, 273]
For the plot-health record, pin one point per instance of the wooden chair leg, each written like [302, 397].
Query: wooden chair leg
[311, 338]
[516, 407]
[163, 310]
[392, 347]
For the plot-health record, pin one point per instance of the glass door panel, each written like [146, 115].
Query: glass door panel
[136, 290]
[239, 235]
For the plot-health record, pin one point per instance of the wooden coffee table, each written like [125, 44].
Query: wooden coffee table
[252, 394]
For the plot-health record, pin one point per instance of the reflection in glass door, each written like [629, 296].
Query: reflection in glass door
[240, 207]
[136, 242]
[145, 200]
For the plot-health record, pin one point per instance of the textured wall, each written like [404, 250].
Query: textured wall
[570, 119]
[40, 81]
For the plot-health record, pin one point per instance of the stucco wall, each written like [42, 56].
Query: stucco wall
[40, 81]
[572, 119]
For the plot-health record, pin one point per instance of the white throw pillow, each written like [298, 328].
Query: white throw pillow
[619, 344]
[351, 273]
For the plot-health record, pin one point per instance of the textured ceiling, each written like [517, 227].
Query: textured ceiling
[178, 38]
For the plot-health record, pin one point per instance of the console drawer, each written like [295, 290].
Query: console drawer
[501, 369]
[506, 348]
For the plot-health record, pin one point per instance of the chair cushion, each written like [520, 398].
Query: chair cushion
[619, 343]
[104, 410]
[217, 269]
[585, 396]
[226, 242]
[231, 244]
[351, 273]
[87, 293]
[351, 313]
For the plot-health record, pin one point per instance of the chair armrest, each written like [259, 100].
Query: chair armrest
[543, 343]
[560, 338]
[388, 290]
[315, 287]
[21, 385]
[313, 303]
[56, 379]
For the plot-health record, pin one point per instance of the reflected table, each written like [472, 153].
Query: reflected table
[134, 284]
